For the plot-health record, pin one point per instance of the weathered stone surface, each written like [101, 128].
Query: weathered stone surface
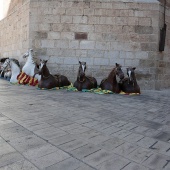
[70, 163]
[85, 131]
[115, 162]
[10, 158]
[84, 151]
[25, 165]
[144, 29]
[24, 143]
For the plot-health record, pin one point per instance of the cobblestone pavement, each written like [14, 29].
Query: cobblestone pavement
[60, 130]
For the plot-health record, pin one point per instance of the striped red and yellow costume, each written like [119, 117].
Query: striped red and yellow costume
[26, 79]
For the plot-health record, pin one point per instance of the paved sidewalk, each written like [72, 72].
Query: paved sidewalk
[60, 130]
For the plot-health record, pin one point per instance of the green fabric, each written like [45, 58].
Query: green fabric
[96, 91]
[71, 88]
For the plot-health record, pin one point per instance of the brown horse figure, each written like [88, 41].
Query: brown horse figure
[129, 85]
[110, 83]
[83, 81]
[48, 80]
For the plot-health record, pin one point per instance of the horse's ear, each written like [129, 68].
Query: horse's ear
[134, 68]
[46, 61]
[117, 65]
[79, 62]
[40, 60]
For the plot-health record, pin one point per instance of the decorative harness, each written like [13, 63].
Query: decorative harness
[8, 62]
[88, 77]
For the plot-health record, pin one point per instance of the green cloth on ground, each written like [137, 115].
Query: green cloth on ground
[96, 90]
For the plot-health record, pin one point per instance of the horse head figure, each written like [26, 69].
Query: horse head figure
[110, 83]
[83, 81]
[129, 84]
[14, 66]
[47, 80]
[31, 67]
[81, 71]
[118, 71]
[43, 70]
[131, 74]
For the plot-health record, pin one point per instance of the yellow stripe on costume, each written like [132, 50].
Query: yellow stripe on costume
[26, 79]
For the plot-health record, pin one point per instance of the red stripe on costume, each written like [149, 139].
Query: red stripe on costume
[24, 80]
[34, 82]
[27, 80]
[20, 78]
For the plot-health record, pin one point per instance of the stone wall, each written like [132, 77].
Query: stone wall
[163, 59]
[157, 63]
[14, 30]
[122, 32]
[100, 32]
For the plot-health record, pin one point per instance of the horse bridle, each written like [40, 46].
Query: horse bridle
[45, 76]
[8, 62]
[81, 81]
[42, 73]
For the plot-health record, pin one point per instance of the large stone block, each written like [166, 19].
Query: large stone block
[102, 45]
[67, 35]
[101, 61]
[74, 44]
[144, 29]
[66, 19]
[80, 19]
[53, 35]
[56, 59]
[47, 43]
[62, 44]
[87, 45]
[71, 60]
[149, 46]
[89, 12]
[75, 11]
[145, 21]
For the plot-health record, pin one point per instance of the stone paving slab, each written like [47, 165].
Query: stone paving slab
[20, 165]
[60, 130]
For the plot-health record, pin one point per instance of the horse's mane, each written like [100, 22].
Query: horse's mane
[15, 61]
[113, 70]
[3, 59]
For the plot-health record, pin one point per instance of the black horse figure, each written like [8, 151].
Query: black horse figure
[83, 81]
[48, 80]
[110, 83]
[129, 85]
